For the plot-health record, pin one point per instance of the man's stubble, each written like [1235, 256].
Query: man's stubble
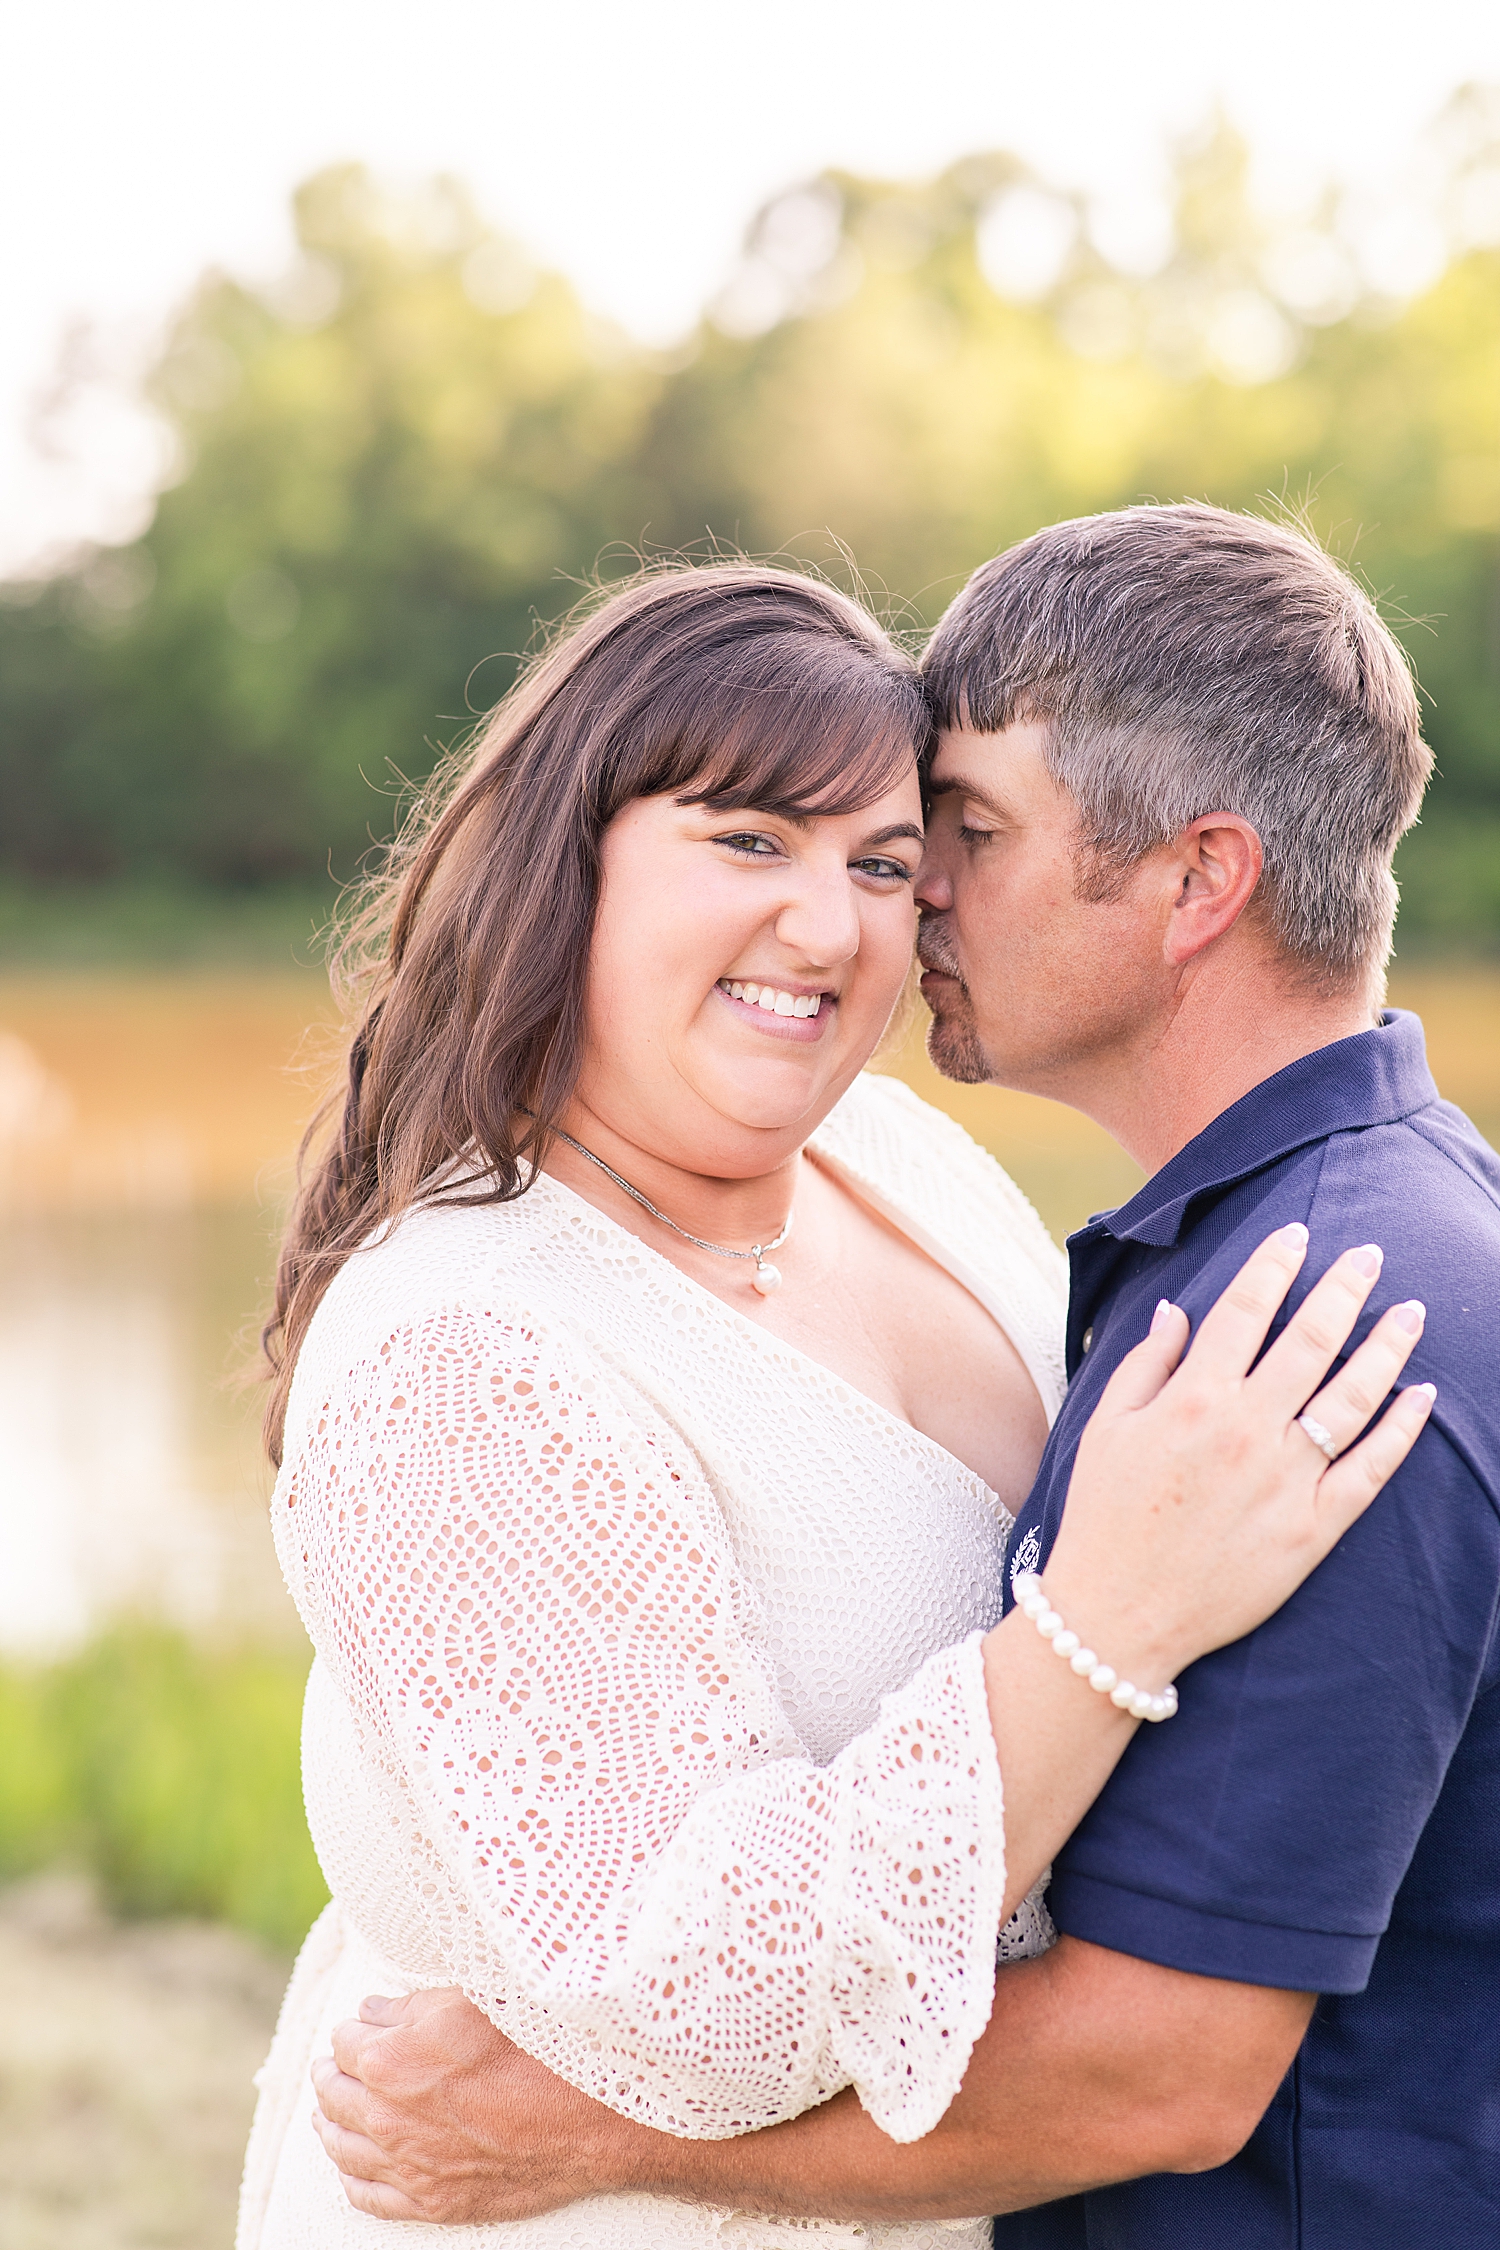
[953, 1043]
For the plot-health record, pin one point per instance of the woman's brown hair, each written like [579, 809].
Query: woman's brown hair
[731, 686]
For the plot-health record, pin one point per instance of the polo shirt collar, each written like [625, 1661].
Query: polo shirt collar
[1372, 1078]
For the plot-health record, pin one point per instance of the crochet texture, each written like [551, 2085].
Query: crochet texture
[647, 1703]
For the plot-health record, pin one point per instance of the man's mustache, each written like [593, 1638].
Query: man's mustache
[935, 952]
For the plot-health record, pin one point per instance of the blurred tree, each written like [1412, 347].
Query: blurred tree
[932, 372]
[384, 467]
[417, 444]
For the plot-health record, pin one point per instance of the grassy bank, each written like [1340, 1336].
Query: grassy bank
[170, 1774]
[104, 926]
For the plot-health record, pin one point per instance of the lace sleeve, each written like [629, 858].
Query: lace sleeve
[624, 1853]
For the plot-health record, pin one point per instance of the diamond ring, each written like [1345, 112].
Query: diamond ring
[1322, 1439]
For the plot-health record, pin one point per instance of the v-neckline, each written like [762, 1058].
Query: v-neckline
[764, 1339]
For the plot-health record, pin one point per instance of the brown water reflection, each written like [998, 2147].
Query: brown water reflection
[146, 1137]
[133, 1478]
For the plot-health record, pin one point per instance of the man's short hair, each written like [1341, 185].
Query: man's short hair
[1185, 660]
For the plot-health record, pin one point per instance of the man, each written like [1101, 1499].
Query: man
[1178, 750]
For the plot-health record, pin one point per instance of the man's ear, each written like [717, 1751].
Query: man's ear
[1216, 862]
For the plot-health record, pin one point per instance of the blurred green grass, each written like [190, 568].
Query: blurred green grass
[126, 924]
[167, 1771]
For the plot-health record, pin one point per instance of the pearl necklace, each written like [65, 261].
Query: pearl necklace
[766, 1277]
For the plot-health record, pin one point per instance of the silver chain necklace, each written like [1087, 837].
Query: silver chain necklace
[766, 1277]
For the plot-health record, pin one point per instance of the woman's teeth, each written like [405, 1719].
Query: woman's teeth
[775, 1003]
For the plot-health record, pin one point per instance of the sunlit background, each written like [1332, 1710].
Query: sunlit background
[341, 346]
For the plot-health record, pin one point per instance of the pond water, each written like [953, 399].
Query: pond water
[132, 1472]
[146, 1136]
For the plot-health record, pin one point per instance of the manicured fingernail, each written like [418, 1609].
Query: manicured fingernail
[1162, 1314]
[1411, 1316]
[1368, 1260]
[1295, 1235]
[1428, 1391]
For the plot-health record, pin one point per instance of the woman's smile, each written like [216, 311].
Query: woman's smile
[791, 1011]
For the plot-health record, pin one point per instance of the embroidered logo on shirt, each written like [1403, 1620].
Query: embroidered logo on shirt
[1027, 1555]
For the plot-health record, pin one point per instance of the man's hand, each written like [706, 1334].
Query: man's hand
[1094, 2067]
[430, 2113]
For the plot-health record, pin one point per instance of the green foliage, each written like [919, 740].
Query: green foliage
[394, 466]
[371, 506]
[169, 1772]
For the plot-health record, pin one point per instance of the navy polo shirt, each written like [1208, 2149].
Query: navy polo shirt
[1324, 1812]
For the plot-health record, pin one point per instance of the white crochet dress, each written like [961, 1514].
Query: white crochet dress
[647, 1702]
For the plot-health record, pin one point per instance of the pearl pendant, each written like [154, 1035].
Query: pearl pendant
[766, 1279]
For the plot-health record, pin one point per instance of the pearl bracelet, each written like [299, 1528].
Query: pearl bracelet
[1031, 1600]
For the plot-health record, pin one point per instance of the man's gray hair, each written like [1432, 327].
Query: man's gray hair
[1185, 660]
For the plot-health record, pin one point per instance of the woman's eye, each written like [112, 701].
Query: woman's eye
[751, 844]
[968, 835]
[884, 870]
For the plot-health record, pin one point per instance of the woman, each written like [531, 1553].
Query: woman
[662, 1387]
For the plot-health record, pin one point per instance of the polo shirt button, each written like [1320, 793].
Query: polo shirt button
[1088, 1338]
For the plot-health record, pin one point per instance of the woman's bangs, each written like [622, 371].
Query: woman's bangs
[819, 753]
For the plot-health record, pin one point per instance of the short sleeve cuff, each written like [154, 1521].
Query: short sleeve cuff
[1208, 1945]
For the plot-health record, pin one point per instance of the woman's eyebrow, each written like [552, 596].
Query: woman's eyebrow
[806, 821]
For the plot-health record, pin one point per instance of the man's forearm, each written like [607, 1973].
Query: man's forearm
[1072, 2085]
[1094, 2067]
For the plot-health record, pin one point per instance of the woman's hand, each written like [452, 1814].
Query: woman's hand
[1198, 1503]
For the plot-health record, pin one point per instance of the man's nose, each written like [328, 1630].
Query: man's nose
[933, 889]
